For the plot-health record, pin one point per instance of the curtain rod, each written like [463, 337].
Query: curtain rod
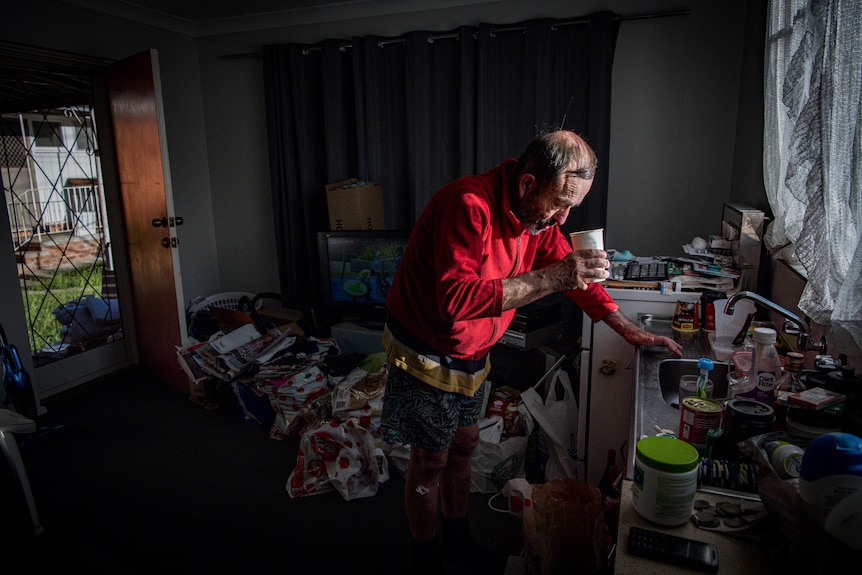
[494, 31]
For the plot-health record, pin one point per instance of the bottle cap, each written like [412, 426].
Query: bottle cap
[764, 335]
[705, 363]
[834, 453]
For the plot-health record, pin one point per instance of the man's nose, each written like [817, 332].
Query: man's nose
[562, 215]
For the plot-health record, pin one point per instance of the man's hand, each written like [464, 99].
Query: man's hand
[636, 336]
[572, 272]
[578, 268]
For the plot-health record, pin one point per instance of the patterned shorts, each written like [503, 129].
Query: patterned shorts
[414, 413]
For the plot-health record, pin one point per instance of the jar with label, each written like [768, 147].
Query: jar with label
[765, 367]
[665, 480]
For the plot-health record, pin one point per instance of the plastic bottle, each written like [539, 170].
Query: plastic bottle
[785, 458]
[697, 385]
[611, 492]
[790, 382]
[705, 365]
[765, 367]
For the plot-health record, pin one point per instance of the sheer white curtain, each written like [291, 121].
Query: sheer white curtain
[812, 158]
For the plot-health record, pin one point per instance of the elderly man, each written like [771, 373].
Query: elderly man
[484, 246]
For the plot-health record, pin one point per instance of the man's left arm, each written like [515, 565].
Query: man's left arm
[637, 336]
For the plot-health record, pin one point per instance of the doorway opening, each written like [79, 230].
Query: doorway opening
[55, 202]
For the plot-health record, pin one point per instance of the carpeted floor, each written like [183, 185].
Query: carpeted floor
[139, 479]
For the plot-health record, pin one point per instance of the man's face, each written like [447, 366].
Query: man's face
[540, 208]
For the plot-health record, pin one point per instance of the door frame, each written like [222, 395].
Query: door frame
[112, 357]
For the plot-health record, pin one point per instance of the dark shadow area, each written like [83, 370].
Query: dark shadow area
[142, 479]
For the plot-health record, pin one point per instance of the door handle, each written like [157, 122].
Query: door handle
[164, 222]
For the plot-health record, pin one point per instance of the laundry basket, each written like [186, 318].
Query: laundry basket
[224, 300]
[202, 325]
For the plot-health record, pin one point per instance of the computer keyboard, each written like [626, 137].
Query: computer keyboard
[634, 271]
[646, 272]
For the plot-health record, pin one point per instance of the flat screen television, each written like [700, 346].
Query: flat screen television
[356, 272]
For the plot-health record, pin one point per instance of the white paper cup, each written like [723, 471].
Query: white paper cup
[588, 240]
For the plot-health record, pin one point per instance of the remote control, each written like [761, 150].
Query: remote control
[673, 549]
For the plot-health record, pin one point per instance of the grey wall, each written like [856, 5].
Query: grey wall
[675, 112]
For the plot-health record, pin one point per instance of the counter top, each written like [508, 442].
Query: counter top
[735, 555]
[650, 413]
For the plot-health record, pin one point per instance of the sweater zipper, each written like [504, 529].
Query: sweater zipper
[517, 266]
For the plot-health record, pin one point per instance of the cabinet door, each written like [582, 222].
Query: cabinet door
[607, 378]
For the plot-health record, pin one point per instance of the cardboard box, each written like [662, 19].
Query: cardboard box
[355, 205]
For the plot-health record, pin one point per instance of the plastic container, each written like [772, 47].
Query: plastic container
[831, 470]
[785, 458]
[665, 480]
[722, 346]
[808, 423]
[688, 384]
[743, 418]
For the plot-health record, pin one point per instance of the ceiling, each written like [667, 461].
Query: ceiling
[201, 18]
[200, 11]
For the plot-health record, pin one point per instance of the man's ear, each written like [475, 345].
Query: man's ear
[526, 184]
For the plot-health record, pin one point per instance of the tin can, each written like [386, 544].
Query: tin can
[697, 416]
[686, 318]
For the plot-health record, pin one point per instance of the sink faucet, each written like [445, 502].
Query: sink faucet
[804, 342]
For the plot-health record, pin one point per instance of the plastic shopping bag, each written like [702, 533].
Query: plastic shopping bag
[495, 462]
[556, 414]
[338, 456]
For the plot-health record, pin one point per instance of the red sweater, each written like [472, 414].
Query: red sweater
[448, 291]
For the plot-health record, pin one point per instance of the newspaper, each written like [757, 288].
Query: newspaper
[227, 357]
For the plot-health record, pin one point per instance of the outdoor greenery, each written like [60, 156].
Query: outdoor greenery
[41, 298]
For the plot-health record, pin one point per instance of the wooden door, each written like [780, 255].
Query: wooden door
[137, 125]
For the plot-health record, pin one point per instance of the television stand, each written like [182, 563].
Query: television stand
[359, 336]
[370, 324]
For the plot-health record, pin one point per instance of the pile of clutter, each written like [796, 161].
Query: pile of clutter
[301, 387]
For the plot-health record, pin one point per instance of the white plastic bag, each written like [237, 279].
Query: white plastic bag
[494, 464]
[558, 420]
[338, 456]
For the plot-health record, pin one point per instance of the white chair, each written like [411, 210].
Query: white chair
[12, 422]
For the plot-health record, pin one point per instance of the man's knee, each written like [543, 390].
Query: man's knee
[428, 461]
[465, 441]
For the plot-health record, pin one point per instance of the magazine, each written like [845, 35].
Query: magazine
[226, 357]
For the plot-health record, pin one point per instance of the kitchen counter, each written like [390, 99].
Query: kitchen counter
[735, 555]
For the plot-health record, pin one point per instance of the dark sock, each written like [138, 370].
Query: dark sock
[456, 535]
[460, 547]
[427, 558]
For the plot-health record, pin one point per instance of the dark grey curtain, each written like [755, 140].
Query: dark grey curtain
[417, 111]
